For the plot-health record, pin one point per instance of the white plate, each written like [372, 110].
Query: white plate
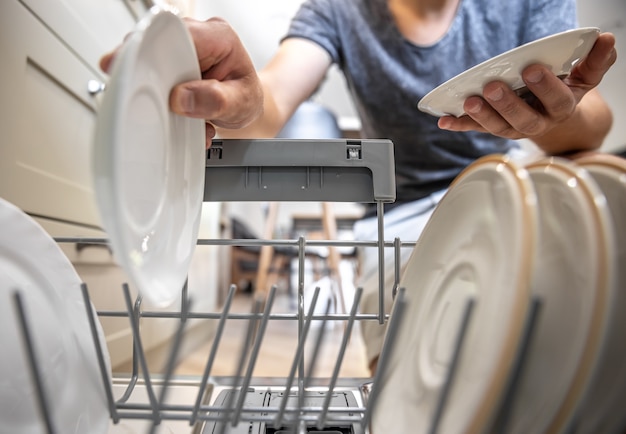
[31, 262]
[573, 282]
[148, 162]
[559, 52]
[480, 243]
[603, 407]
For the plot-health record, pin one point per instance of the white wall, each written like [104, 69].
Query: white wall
[610, 15]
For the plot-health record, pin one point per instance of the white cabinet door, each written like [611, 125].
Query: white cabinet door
[89, 27]
[47, 121]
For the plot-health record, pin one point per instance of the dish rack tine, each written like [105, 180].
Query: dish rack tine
[321, 422]
[42, 399]
[140, 353]
[171, 361]
[390, 339]
[278, 421]
[254, 355]
[396, 253]
[500, 424]
[312, 365]
[381, 262]
[318, 346]
[256, 308]
[454, 361]
[213, 352]
[184, 301]
[135, 357]
[106, 381]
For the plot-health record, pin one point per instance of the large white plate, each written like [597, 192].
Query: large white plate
[559, 52]
[31, 262]
[148, 162]
[480, 243]
[573, 283]
[603, 406]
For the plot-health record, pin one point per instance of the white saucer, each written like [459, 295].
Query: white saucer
[31, 262]
[560, 52]
[573, 283]
[603, 407]
[148, 162]
[480, 242]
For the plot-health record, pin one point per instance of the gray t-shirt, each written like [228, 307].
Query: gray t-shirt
[387, 75]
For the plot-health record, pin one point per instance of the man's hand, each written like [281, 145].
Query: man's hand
[500, 111]
[229, 94]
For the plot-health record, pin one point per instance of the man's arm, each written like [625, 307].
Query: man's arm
[231, 97]
[571, 114]
[291, 77]
[235, 101]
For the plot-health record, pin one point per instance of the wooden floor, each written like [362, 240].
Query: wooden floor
[279, 346]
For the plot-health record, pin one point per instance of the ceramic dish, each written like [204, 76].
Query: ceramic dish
[572, 282]
[602, 409]
[479, 243]
[32, 263]
[148, 162]
[560, 52]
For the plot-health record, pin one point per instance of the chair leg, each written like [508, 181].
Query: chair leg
[329, 223]
[267, 252]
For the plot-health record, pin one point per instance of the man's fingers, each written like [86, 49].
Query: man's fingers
[106, 61]
[210, 133]
[227, 104]
[196, 99]
[557, 99]
[591, 70]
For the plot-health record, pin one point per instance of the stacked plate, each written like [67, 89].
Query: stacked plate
[529, 258]
[33, 265]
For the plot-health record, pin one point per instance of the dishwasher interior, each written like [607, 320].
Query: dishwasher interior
[253, 170]
[301, 402]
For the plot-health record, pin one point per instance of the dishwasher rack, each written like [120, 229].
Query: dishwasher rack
[272, 170]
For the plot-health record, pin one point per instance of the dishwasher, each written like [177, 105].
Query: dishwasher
[340, 170]
[328, 170]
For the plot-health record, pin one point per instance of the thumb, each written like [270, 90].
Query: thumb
[226, 104]
[183, 100]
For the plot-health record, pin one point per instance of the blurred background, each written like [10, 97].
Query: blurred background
[50, 51]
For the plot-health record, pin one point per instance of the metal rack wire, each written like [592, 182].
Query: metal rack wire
[301, 403]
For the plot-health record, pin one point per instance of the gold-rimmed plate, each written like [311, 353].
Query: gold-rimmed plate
[602, 407]
[478, 245]
[572, 281]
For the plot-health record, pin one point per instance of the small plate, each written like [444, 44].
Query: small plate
[573, 283]
[32, 263]
[479, 243]
[602, 409]
[149, 162]
[560, 52]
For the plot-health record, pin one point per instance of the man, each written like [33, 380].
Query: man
[392, 53]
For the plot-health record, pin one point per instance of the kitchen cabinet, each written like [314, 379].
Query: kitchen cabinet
[50, 52]
[50, 55]
[47, 121]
